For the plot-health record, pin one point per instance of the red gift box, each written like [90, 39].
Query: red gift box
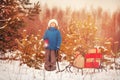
[92, 59]
[92, 65]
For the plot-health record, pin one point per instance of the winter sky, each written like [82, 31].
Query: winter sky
[109, 5]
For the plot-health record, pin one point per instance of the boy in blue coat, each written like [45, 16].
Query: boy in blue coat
[53, 38]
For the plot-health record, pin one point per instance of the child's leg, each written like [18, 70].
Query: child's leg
[53, 60]
[47, 59]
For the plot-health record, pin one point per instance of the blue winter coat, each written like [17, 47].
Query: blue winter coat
[54, 37]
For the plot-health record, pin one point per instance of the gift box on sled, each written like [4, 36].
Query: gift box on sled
[93, 58]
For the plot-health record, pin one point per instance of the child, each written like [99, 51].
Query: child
[52, 37]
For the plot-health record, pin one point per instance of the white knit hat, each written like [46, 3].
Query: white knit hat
[52, 20]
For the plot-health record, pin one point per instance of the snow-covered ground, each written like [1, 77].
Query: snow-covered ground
[11, 70]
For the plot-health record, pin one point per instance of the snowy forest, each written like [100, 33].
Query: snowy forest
[23, 24]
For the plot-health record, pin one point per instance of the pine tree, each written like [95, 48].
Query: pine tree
[80, 34]
[12, 13]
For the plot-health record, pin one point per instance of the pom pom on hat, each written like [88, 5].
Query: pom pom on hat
[52, 20]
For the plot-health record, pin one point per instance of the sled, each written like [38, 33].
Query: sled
[92, 59]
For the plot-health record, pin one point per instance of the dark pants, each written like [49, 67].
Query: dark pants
[50, 60]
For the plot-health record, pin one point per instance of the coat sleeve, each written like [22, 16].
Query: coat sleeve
[45, 35]
[59, 40]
